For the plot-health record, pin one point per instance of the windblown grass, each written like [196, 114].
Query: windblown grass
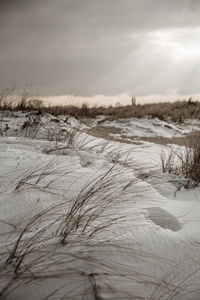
[185, 161]
[51, 242]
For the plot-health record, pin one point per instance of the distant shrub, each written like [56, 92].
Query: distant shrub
[35, 104]
[176, 111]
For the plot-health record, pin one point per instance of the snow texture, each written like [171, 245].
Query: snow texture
[86, 218]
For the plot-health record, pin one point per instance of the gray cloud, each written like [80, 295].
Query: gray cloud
[86, 47]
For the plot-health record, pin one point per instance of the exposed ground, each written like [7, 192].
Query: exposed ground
[135, 130]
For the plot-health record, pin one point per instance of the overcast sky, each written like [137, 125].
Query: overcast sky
[108, 47]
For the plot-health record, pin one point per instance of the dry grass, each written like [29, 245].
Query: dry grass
[185, 162]
[42, 177]
[52, 242]
[10, 101]
[177, 111]
[171, 287]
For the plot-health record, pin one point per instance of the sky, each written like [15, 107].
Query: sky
[86, 48]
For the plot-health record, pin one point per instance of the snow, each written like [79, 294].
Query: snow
[148, 127]
[90, 218]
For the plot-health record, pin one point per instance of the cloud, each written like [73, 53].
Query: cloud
[92, 47]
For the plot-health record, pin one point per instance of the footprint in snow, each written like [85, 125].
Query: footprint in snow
[163, 218]
[85, 161]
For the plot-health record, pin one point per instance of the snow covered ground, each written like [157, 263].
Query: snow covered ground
[152, 127]
[82, 217]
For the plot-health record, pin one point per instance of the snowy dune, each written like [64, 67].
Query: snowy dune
[82, 217]
[148, 127]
